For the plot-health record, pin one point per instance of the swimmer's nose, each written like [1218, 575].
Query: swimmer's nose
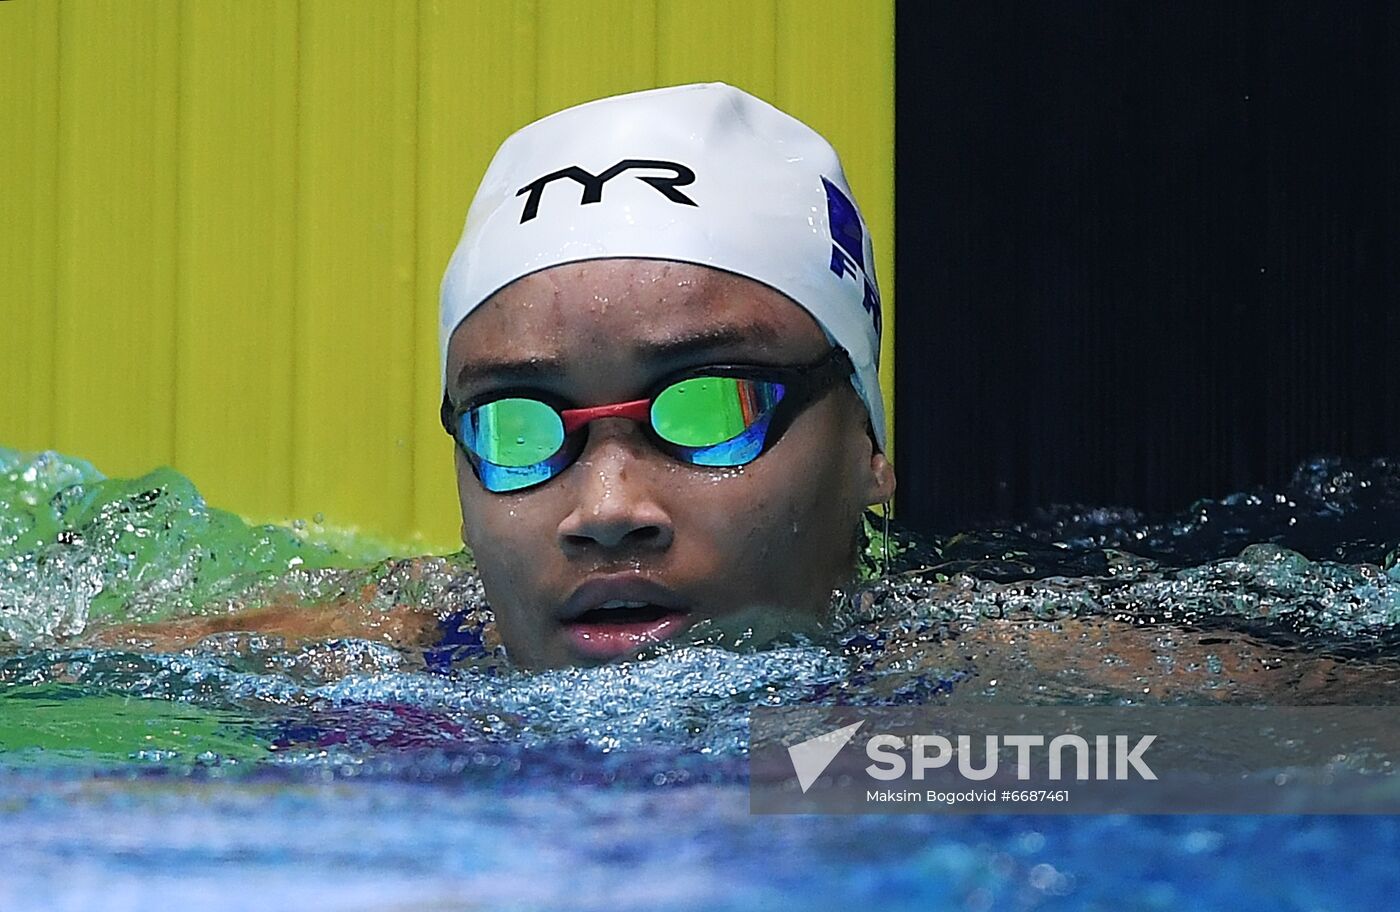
[614, 484]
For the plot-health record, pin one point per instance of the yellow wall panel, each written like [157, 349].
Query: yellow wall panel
[591, 48]
[476, 86]
[733, 41]
[237, 214]
[28, 190]
[356, 282]
[226, 221]
[116, 241]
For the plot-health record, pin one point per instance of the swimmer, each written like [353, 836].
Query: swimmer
[659, 343]
[660, 333]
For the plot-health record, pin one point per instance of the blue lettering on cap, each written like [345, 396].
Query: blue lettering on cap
[848, 248]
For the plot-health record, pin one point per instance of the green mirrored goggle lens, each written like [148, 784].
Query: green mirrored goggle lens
[513, 432]
[705, 420]
[705, 411]
[714, 420]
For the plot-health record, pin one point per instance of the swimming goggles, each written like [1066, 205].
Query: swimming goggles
[720, 416]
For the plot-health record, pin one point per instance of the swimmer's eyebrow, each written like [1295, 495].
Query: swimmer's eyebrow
[650, 352]
[712, 340]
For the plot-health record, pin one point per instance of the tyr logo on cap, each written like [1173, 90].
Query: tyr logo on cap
[593, 184]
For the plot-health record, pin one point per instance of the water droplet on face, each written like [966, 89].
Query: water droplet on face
[520, 441]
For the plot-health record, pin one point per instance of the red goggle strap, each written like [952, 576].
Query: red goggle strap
[637, 410]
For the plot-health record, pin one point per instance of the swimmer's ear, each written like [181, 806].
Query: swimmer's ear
[880, 482]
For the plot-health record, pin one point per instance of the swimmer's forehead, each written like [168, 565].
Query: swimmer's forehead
[649, 314]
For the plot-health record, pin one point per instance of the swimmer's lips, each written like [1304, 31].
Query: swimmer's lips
[612, 616]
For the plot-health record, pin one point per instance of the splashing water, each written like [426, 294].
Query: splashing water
[76, 548]
[1291, 596]
[980, 615]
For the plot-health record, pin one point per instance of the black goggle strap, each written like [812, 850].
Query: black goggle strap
[804, 385]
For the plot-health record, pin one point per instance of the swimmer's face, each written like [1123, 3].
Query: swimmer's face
[628, 545]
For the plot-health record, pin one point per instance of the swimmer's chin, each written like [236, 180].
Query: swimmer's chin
[743, 630]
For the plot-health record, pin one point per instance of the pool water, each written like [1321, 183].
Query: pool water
[243, 772]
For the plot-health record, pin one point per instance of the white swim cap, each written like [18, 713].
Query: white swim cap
[703, 174]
